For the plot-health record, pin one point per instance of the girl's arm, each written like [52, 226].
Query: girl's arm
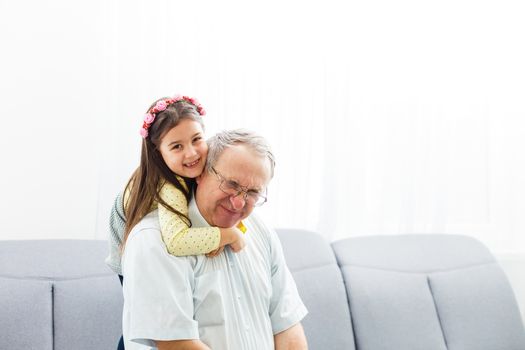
[182, 240]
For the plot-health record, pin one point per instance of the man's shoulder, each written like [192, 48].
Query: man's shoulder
[148, 222]
[145, 235]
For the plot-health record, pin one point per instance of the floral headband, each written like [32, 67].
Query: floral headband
[161, 105]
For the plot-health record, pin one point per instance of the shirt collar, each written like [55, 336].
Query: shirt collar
[197, 220]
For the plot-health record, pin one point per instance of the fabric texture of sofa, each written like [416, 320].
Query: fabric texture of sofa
[404, 292]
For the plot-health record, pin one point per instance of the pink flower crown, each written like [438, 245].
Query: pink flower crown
[161, 105]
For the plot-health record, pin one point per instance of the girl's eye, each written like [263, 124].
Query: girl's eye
[177, 147]
[198, 138]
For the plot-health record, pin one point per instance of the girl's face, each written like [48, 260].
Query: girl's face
[184, 149]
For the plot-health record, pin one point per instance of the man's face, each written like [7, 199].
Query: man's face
[236, 163]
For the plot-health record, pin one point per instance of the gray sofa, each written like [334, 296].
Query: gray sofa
[420, 292]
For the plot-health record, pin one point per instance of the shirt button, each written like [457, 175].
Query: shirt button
[247, 328]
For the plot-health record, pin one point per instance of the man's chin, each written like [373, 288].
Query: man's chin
[225, 223]
[227, 220]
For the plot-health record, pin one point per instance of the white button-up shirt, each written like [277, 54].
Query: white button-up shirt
[233, 301]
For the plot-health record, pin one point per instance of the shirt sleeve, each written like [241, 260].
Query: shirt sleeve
[286, 307]
[158, 297]
[179, 238]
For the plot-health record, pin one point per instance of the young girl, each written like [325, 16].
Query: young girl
[173, 155]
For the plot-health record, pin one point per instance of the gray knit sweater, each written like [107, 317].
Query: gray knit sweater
[117, 225]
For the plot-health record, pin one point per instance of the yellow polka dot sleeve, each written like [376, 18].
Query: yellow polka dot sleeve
[180, 239]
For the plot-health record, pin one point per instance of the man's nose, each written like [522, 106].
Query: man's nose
[238, 202]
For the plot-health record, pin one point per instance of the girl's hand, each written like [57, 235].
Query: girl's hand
[215, 252]
[238, 245]
[232, 236]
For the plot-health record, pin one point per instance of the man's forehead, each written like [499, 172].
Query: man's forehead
[235, 154]
[241, 161]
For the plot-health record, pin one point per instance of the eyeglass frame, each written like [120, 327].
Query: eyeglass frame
[241, 189]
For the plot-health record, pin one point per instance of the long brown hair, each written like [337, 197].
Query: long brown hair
[145, 183]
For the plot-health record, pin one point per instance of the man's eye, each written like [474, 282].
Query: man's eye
[232, 184]
[253, 194]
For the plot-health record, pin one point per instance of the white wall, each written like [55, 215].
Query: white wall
[386, 117]
[52, 67]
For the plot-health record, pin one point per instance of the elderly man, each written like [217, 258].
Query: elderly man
[244, 300]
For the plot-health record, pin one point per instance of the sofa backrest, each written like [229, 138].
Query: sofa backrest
[432, 292]
[312, 262]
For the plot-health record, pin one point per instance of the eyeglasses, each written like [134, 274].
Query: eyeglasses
[232, 188]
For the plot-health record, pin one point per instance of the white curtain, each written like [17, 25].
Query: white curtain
[385, 117]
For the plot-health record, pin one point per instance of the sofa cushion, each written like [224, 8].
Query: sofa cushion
[88, 313]
[320, 284]
[392, 310]
[27, 317]
[477, 309]
[408, 291]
